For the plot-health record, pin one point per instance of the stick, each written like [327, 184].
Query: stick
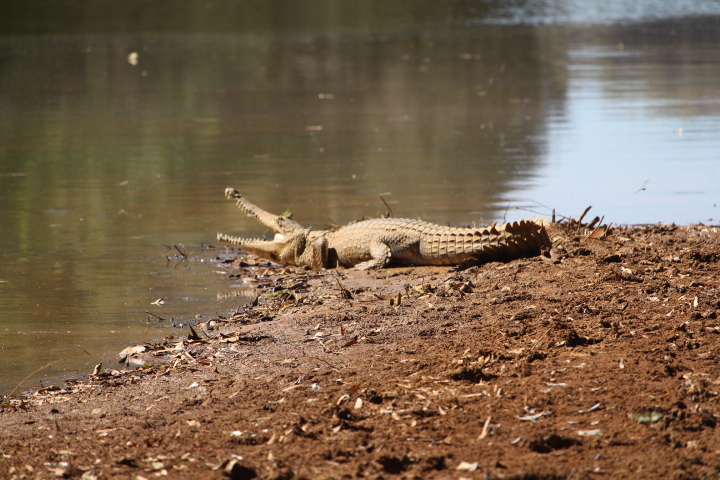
[594, 222]
[344, 292]
[149, 313]
[183, 254]
[389, 210]
[583, 215]
[599, 220]
[484, 432]
[537, 342]
[28, 377]
[320, 359]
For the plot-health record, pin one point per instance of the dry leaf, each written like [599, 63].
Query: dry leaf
[598, 233]
[350, 342]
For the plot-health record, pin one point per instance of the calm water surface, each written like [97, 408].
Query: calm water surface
[118, 139]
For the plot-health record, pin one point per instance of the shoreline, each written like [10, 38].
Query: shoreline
[601, 359]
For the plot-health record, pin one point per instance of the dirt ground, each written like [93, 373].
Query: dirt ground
[598, 361]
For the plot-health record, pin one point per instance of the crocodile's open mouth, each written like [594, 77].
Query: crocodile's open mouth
[270, 249]
[240, 241]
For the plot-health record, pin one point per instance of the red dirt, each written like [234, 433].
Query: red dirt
[600, 362]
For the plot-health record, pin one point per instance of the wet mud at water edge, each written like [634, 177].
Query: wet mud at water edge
[600, 359]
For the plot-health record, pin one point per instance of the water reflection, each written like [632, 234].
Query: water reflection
[636, 139]
[105, 161]
[114, 147]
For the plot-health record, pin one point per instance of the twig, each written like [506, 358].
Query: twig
[519, 268]
[552, 210]
[537, 342]
[583, 216]
[595, 221]
[322, 360]
[150, 313]
[28, 377]
[389, 213]
[182, 254]
[485, 429]
[344, 292]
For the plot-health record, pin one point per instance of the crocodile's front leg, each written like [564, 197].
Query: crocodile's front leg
[315, 255]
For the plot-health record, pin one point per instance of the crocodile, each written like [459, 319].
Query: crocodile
[376, 243]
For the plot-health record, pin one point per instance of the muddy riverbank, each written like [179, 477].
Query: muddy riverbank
[599, 360]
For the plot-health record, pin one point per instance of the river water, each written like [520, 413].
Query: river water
[122, 124]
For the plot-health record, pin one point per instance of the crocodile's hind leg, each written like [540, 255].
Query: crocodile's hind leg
[380, 254]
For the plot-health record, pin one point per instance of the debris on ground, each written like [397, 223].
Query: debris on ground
[600, 359]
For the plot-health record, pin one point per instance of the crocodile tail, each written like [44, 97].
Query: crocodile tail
[522, 239]
[529, 239]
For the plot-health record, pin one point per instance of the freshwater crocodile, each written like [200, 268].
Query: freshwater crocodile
[375, 243]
